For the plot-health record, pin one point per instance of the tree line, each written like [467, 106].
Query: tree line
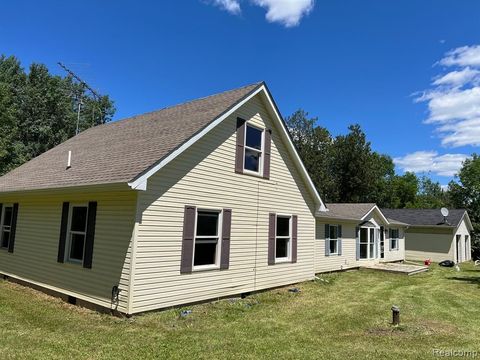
[38, 111]
[344, 168]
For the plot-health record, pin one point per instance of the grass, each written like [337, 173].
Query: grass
[344, 315]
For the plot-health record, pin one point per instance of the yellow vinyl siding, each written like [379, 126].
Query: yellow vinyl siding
[429, 243]
[348, 259]
[436, 243]
[204, 176]
[395, 255]
[36, 244]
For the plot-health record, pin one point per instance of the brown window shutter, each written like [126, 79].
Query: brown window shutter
[294, 237]
[63, 232]
[187, 242]
[271, 238]
[226, 231]
[13, 229]
[268, 149]
[92, 219]
[240, 154]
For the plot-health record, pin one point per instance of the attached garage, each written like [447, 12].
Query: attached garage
[433, 236]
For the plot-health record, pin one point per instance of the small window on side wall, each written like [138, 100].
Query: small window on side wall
[394, 235]
[253, 158]
[333, 239]
[207, 244]
[77, 233]
[6, 226]
[283, 238]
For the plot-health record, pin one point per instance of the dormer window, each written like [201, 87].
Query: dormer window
[253, 159]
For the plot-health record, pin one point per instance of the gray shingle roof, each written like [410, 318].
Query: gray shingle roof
[346, 211]
[426, 217]
[120, 151]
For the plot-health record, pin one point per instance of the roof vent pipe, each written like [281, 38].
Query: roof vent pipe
[69, 161]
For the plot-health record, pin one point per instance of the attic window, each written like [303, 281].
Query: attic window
[253, 149]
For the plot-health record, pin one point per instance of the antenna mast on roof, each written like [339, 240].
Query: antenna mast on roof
[85, 85]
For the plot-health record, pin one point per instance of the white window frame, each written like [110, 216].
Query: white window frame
[219, 240]
[70, 232]
[396, 239]
[330, 240]
[369, 255]
[2, 226]
[261, 151]
[289, 237]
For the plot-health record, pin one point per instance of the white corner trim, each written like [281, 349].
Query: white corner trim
[140, 186]
[141, 182]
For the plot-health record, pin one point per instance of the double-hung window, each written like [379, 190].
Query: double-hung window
[253, 158]
[207, 244]
[77, 233]
[333, 236]
[6, 226]
[283, 238]
[394, 239]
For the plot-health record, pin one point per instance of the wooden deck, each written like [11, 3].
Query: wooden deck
[398, 268]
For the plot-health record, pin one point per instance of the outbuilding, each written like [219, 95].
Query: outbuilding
[434, 236]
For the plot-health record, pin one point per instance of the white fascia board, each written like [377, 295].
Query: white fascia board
[141, 182]
[296, 157]
[467, 220]
[375, 207]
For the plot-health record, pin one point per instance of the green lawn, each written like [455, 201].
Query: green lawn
[346, 317]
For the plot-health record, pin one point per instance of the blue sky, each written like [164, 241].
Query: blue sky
[372, 62]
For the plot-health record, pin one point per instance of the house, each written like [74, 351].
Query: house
[354, 235]
[197, 201]
[431, 236]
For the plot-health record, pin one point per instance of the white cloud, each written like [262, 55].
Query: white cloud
[431, 161]
[232, 6]
[454, 100]
[463, 56]
[458, 78]
[286, 12]
[463, 133]
[453, 105]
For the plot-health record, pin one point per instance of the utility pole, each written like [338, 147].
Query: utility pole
[86, 86]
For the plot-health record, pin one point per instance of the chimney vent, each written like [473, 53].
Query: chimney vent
[69, 161]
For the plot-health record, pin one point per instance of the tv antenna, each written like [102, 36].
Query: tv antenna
[85, 85]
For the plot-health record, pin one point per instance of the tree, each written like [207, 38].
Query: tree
[402, 191]
[313, 144]
[38, 111]
[430, 195]
[362, 175]
[466, 194]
